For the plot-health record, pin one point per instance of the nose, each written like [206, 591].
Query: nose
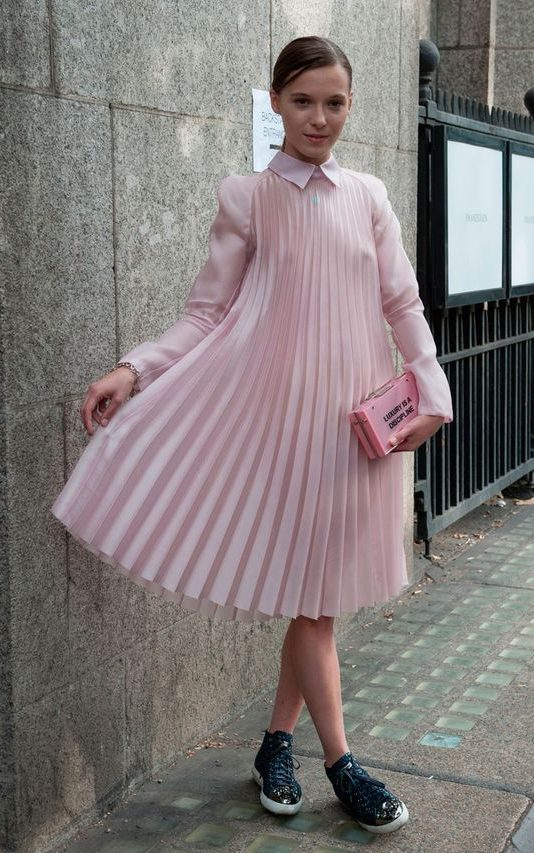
[318, 119]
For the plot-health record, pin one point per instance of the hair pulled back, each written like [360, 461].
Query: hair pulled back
[307, 52]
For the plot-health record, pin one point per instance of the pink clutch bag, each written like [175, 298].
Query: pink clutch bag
[384, 412]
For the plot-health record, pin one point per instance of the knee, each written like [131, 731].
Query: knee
[322, 625]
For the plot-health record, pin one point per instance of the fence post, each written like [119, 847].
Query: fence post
[428, 62]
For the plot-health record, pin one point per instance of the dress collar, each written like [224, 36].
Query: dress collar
[300, 172]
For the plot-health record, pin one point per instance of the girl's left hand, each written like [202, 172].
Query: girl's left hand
[416, 432]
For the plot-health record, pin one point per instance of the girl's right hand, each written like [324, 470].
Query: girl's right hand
[104, 396]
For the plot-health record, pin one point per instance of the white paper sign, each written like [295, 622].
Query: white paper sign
[474, 217]
[522, 220]
[267, 130]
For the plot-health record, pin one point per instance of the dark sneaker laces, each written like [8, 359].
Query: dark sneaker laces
[346, 780]
[366, 798]
[275, 762]
[281, 765]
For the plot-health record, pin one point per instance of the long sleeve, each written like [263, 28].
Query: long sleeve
[404, 310]
[213, 291]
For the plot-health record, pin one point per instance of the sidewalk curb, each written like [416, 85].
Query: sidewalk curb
[522, 840]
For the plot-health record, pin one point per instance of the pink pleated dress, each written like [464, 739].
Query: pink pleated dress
[233, 483]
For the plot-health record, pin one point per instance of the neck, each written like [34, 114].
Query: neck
[316, 161]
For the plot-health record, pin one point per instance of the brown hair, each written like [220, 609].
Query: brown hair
[304, 53]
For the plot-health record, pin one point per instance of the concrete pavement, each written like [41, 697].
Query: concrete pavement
[438, 700]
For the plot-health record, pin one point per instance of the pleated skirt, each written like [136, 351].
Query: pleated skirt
[233, 484]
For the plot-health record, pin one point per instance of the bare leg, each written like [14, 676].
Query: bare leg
[310, 671]
[289, 701]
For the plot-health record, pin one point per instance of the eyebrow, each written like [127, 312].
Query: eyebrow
[305, 94]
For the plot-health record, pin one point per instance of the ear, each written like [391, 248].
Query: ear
[275, 103]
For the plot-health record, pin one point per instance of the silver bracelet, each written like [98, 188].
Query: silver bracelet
[133, 368]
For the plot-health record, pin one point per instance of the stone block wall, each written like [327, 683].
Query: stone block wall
[117, 122]
[486, 47]
[514, 53]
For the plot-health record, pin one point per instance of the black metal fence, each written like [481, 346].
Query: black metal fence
[486, 350]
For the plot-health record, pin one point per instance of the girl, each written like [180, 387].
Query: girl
[233, 483]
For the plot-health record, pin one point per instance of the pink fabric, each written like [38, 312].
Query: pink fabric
[233, 483]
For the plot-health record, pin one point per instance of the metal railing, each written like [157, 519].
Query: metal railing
[485, 349]
[487, 353]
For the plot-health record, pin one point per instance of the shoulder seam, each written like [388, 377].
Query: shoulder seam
[363, 183]
[260, 176]
[374, 207]
[366, 188]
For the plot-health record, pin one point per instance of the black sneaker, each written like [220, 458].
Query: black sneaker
[369, 802]
[273, 771]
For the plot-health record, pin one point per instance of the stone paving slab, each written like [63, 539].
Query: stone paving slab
[437, 701]
[523, 839]
[445, 688]
[211, 801]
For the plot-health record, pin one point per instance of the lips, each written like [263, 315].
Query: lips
[313, 136]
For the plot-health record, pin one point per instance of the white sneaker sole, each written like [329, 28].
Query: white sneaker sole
[272, 805]
[388, 827]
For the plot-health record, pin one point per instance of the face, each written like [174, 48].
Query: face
[314, 107]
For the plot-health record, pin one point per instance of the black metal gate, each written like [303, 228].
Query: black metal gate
[486, 350]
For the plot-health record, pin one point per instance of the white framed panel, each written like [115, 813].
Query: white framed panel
[522, 219]
[475, 207]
